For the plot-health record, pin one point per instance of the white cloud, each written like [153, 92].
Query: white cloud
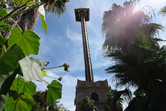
[76, 59]
[68, 47]
[74, 36]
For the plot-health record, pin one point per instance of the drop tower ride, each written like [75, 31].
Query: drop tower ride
[97, 91]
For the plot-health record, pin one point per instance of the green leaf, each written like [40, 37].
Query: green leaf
[20, 86]
[54, 92]
[3, 78]
[31, 70]
[44, 24]
[30, 88]
[3, 12]
[7, 84]
[39, 61]
[15, 36]
[3, 41]
[9, 62]
[3, 45]
[28, 2]
[4, 26]
[23, 103]
[2, 101]
[28, 42]
[44, 72]
[10, 104]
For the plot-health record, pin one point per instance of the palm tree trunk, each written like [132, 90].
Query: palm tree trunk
[27, 20]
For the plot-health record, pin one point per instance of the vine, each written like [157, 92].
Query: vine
[17, 70]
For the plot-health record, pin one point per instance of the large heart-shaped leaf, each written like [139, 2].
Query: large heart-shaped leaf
[22, 100]
[30, 88]
[28, 42]
[9, 62]
[7, 83]
[31, 70]
[20, 86]
[23, 103]
[54, 92]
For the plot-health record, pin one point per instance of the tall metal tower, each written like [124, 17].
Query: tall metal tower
[82, 15]
[98, 90]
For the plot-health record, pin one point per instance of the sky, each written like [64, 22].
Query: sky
[63, 44]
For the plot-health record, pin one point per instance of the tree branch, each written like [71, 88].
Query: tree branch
[18, 11]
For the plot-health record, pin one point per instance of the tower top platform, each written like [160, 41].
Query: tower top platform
[80, 11]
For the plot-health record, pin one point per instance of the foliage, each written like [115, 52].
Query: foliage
[28, 40]
[54, 92]
[55, 6]
[32, 69]
[2, 102]
[16, 93]
[140, 61]
[87, 104]
[134, 27]
[115, 99]
[163, 10]
[20, 97]
[40, 100]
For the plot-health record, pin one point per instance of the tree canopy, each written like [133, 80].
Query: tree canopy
[17, 42]
[140, 61]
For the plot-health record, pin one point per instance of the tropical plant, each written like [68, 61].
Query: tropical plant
[40, 99]
[15, 47]
[87, 104]
[140, 61]
[115, 99]
[163, 10]
[134, 26]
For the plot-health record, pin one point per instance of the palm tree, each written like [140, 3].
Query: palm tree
[87, 104]
[115, 99]
[28, 20]
[134, 27]
[163, 10]
[140, 61]
[148, 75]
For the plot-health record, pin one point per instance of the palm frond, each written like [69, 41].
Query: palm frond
[122, 25]
[138, 104]
[163, 11]
[140, 62]
[56, 7]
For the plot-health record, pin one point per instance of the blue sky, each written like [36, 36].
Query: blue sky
[63, 43]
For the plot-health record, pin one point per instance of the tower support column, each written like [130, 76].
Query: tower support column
[82, 15]
[87, 59]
